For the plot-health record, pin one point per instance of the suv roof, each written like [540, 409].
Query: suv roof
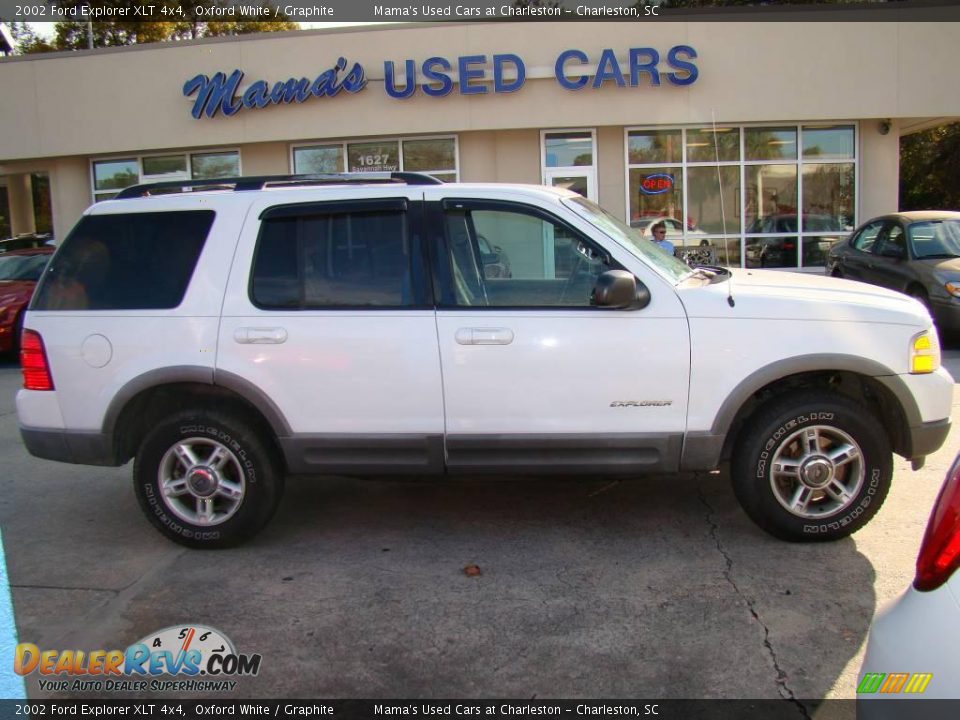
[259, 182]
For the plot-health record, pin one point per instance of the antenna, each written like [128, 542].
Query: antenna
[723, 212]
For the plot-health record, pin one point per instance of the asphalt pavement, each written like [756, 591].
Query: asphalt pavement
[658, 587]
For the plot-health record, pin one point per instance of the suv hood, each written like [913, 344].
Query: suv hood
[778, 295]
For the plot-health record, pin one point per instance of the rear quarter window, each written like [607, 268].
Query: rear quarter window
[128, 261]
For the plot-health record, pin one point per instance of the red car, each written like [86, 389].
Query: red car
[19, 272]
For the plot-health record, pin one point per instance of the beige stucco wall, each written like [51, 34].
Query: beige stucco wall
[879, 169]
[130, 99]
[611, 170]
[75, 106]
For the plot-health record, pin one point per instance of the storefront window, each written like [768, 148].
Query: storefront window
[771, 190]
[828, 193]
[429, 155]
[111, 176]
[568, 149]
[712, 145]
[713, 199]
[833, 143]
[654, 146]
[318, 159]
[373, 156]
[164, 165]
[785, 207]
[435, 156]
[215, 165]
[719, 250]
[656, 192]
[770, 143]
[115, 174]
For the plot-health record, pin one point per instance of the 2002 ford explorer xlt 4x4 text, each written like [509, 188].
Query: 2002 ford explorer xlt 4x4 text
[227, 336]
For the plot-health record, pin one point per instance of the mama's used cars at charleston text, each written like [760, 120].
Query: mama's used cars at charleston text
[224, 338]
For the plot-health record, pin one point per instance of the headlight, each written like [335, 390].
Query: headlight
[953, 288]
[924, 353]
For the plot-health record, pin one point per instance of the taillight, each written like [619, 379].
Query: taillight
[940, 551]
[33, 361]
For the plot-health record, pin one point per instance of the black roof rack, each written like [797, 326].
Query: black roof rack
[238, 184]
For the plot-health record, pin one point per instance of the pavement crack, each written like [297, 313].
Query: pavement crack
[109, 613]
[783, 689]
[606, 487]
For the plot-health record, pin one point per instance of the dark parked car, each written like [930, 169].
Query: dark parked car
[917, 253]
[781, 252]
[19, 272]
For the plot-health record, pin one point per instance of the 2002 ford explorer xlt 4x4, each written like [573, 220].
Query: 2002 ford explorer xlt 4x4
[226, 337]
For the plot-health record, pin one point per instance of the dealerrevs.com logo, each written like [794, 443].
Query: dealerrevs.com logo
[200, 657]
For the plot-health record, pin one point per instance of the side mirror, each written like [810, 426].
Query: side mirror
[620, 290]
[892, 251]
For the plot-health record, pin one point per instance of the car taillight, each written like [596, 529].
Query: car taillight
[33, 361]
[940, 551]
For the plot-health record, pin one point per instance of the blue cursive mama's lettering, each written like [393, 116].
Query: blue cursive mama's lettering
[219, 93]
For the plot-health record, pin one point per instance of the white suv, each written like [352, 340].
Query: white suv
[227, 337]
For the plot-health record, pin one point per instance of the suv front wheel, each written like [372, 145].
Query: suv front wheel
[812, 467]
[205, 479]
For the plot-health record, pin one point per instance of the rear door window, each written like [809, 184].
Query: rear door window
[337, 255]
[125, 261]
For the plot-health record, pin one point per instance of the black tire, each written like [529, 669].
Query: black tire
[228, 455]
[805, 428]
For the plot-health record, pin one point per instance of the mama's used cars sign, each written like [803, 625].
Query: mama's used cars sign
[438, 76]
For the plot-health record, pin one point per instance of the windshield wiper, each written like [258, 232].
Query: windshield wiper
[937, 256]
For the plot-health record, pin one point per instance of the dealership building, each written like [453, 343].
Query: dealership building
[739, 131]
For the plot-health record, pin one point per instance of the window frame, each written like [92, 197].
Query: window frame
[411, 215]
[548, 172]
[799, 161]
[862, 231]
[99, 195]
[399, 139]
[442, 269]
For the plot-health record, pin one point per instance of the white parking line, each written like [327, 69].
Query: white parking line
[11, 684]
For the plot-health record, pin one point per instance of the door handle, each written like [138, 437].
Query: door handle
[260, 335]
[484, 336]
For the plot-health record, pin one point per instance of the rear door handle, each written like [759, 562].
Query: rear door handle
[260, 335]
[484, 336]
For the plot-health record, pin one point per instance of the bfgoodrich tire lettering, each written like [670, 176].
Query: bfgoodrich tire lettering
[811, 467]
[206, 479]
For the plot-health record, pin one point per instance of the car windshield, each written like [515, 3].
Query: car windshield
[22, 267]
[935, 238]
[665, 264]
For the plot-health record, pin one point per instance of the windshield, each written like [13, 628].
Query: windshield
[667, 265]
[935, 238]
[22, 267]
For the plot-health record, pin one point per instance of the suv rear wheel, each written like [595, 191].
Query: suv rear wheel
[812, 467]
[206, 480]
